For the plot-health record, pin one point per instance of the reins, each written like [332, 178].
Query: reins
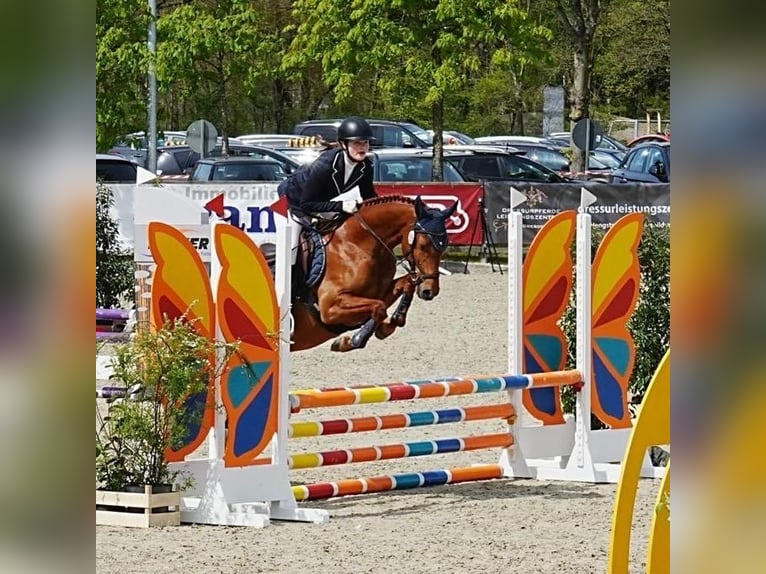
[414, 273]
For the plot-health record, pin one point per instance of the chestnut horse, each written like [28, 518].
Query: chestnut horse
[359, 284]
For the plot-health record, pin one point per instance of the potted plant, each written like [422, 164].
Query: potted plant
[161, 380]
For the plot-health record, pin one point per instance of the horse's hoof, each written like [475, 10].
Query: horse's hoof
[340, 346]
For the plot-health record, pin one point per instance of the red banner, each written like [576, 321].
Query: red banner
[465, 226]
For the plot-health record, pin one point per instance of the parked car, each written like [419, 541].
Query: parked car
[238, 169]
[461, 163]
[408, 165]
[486, 163]
[516, 140]
[604, 142]
[387, 133]
[648, 138]
[112, 168]
[551, 157]
[451, 137]
[180, 160]
[648, 163]
[268, 140]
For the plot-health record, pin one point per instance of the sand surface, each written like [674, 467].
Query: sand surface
[503, 526]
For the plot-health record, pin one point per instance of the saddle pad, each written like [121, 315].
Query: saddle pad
[316, 266]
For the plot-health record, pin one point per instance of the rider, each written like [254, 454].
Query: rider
[311, 191]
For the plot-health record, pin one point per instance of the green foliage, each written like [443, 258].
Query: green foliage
[169, 365]
[122, 63]
[262, 65]
[650, 323]
[633, 66]
[114, 265]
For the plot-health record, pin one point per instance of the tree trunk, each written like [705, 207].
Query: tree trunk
[437, 169]
[224, 103]
[282, 103]
[580, 95]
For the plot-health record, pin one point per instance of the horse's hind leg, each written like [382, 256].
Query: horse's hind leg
[356, 341]
[349, 309]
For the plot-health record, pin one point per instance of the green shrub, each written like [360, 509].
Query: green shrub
[650, 323]
[114, 265]
[164, 374]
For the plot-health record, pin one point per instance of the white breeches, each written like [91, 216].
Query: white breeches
[294, 237]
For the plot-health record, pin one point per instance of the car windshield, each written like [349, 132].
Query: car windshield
[420, 133]
[413, 169]
[248, 172]
[607, 159]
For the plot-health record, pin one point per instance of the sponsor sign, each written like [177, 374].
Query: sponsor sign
[247, 205]
[546, 200]
[465, 226]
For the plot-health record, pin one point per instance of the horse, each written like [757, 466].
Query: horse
[359, 283]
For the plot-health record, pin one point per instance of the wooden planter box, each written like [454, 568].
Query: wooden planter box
[139, 509]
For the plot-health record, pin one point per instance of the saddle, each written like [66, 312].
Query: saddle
[310, 263]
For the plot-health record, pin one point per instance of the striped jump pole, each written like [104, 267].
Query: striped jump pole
[402, 420]
[407, 391]
[371, 385]
[323, 490]
[403, 450]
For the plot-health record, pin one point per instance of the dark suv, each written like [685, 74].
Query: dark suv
[387, 133]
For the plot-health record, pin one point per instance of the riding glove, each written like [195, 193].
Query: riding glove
[350, 206]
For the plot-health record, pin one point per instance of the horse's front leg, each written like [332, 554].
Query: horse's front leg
[348, 309]
[405, 289]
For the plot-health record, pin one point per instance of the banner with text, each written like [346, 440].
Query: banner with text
[546, 200]
[247, 206]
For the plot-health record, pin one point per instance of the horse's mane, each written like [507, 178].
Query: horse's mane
[387, 199]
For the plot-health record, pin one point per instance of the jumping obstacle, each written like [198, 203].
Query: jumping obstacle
[409, 390]
[237, 485]
[550, 445]
[543, 448]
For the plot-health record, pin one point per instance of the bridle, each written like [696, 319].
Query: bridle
[414, 271]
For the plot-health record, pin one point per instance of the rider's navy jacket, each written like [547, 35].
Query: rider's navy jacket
[311, 189]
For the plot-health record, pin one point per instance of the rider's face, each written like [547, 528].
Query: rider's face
[358, 149]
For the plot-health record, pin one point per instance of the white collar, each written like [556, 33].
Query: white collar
[348, 167]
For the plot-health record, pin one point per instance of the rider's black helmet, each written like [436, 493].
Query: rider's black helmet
[355, 128]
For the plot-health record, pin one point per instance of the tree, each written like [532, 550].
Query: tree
[121, 68]
[579, 20]
[632, 72]
[209, 48]
[416, 50]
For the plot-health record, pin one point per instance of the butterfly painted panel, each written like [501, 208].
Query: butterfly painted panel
[247, 312]
[181, 285]
[616, 278]
[547, 284]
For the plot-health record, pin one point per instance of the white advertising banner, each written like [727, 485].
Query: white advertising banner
[246, 205]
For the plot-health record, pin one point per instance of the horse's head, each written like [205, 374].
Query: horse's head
[427, 241]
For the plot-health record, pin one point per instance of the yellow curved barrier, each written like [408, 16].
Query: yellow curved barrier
[652, 428]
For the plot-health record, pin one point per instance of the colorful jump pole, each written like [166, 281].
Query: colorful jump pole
[400, 420]
[403, 450]
[406, 391]
[323, 490]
